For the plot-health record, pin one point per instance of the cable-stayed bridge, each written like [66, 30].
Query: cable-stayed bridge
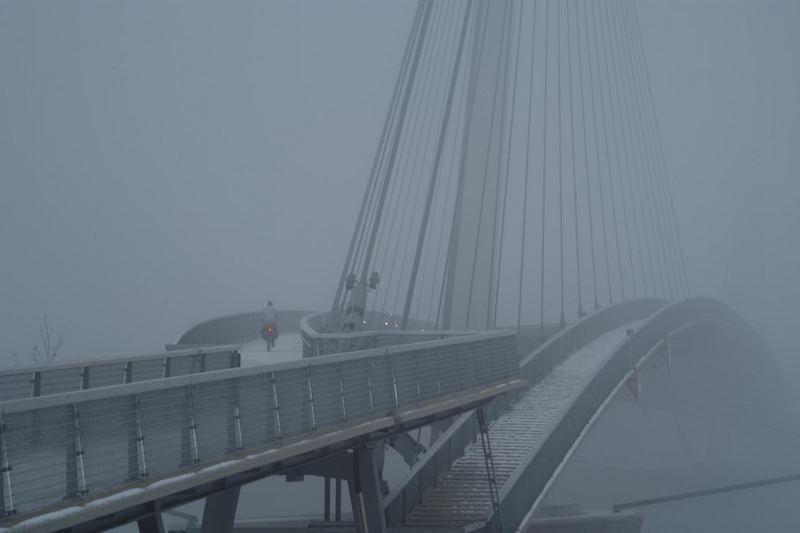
[515, 269]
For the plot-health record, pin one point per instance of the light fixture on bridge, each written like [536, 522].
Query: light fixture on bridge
[374, 278]
[350, 281]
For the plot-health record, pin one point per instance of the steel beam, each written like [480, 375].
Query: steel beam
[151, 523]
[219, 511]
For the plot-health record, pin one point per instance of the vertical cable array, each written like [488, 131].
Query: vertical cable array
[457, 229]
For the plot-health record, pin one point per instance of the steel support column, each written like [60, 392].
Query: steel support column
[151, 523]
[219, 511]
[366, 492]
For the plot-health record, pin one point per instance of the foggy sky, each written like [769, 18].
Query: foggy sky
[162, 163]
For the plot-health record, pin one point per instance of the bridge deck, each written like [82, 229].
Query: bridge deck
[462, 495]
[288, 347]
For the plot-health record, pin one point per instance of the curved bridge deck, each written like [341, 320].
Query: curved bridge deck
[461, 496]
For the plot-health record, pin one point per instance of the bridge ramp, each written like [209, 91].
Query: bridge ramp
[288, 347]
[461, 496]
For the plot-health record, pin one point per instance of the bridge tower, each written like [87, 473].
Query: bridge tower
[472, 259]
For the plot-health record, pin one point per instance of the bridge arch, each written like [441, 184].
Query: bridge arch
[525, 491]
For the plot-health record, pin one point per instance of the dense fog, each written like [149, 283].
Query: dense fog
[164, 163]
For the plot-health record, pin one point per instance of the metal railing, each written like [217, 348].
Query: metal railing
[554, 350]
[316, 343]
[451, 444]
[532, 476]
[95, 442]
[45, 380]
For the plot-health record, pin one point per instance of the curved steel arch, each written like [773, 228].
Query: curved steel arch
[524, 491]
[534, 366]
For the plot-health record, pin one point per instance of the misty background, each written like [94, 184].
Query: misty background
[162, 163]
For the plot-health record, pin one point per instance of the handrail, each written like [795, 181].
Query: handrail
[316, 343]
[101, 372]
[70, 445]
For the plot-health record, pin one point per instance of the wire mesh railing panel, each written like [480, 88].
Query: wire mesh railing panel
[98, 440]
[61, 380]
[107, 433]
[37, 443]
[450, 377]
[381, 382]
[406, 379]
[256, 411]
[358, 398]
[292, 391]
[429, 376]
[186, 364]
[218, 361]
[213, 406]
[104, 375]
[17, 385]
[147, 370]
[165, 416]
[325, 398]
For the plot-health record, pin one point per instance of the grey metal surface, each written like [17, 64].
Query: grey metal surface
[81, 445]
[81, 375]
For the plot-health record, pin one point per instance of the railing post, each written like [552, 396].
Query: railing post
[276, 408]
[127, 372]
[238, 421]
[85, 377]
[393, 378]
[36, 384]
[312, 411]
[416, 368]
[137, 462]
[341, 395]
[6, 488]
[236, 359]
[235, 439]
[369, 386]
[166, 367]
[190, 454]
[80, 472]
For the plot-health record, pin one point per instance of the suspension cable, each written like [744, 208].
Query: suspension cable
[618, 158]
[544, 159]
[586, 154]
[527, 159]
[574, 172]
[665, 180]
[627, 147]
